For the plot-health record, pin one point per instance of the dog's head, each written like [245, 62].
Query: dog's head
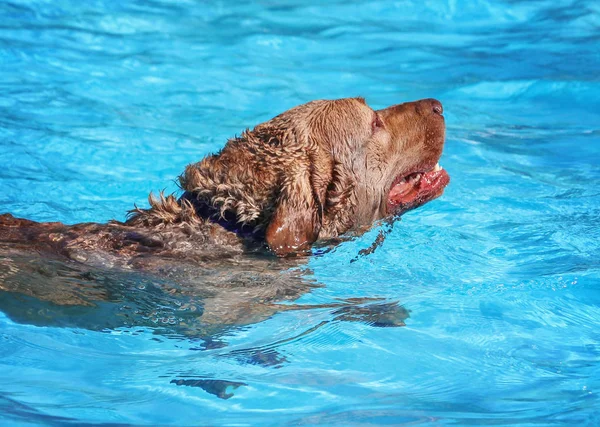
[325, 168]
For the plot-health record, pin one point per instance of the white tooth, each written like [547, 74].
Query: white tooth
[437, 167]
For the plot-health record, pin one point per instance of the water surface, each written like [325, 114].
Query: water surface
[103, 101]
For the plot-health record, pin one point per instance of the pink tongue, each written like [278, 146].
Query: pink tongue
[401, 192]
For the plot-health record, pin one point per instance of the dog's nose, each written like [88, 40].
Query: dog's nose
[437, 107]
[427, 106]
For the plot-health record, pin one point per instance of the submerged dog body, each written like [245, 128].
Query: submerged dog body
[315, 172]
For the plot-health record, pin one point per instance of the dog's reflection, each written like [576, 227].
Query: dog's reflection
[175, 300]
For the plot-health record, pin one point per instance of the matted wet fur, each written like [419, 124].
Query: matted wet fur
[319, 171]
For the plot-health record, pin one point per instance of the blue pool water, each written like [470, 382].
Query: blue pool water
[103, 101]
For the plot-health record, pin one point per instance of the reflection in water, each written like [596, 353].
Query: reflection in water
[181, 299]
[383, 315]
[175, 300]
[221, 389]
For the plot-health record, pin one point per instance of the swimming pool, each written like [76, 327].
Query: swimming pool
[102, 102]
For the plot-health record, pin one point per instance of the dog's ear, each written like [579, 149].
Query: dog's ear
[298, 214]
[295, 223]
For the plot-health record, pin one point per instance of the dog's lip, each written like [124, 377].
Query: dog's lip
[416, 188]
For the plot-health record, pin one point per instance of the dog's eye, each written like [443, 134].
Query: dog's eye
[377, 123]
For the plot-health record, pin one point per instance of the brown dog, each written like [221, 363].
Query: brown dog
[316, 172]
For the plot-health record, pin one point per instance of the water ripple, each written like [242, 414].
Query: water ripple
[479, 308]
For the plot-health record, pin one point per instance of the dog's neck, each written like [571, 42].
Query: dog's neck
[227, 220]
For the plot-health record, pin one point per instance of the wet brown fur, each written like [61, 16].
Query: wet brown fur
[280, 173]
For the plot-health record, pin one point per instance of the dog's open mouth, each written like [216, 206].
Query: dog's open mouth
[415, 189]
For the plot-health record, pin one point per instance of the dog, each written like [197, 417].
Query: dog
[319, 172]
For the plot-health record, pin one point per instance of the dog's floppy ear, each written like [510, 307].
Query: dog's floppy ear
[297, 219]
